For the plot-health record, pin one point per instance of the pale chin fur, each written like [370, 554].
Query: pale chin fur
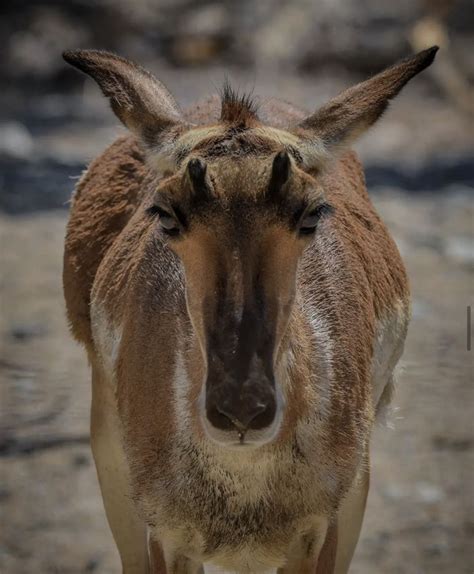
[253, 438]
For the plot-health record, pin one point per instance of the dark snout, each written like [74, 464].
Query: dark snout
[241, 398]
[240, 404]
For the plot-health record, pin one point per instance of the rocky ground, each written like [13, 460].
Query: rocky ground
[420, 171]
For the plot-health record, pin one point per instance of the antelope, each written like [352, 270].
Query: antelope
[243, 308]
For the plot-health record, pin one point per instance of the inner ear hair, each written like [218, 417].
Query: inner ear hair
[351, 113]
[140, 101]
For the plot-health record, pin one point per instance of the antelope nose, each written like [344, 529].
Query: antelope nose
[254, 413]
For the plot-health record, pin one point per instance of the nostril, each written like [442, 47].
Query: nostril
[264, 416]
[242, 418]
[218, 419]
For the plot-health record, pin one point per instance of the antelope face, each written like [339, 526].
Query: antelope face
[239, 228]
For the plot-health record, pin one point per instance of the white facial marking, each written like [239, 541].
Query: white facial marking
[107, 339]
[323, 352]
[181, 387]
[388, 347]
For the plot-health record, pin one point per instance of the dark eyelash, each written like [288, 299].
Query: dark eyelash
[153, 211]
[322, 210]
[318, 212]
[156, 211]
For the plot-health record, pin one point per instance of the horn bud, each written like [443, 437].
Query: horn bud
[197, 171]
[281, 169]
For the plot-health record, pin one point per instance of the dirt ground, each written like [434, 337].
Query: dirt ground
[420, 511]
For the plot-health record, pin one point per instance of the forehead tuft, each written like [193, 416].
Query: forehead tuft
[238, 133]
[237, 108]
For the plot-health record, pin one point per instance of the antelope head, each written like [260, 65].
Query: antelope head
[238, 204]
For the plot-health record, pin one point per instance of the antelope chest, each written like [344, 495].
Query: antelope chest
[237, 511]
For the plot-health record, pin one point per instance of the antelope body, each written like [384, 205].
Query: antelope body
[243, 308]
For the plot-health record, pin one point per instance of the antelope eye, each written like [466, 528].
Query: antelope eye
[166, 220]
[310, 219]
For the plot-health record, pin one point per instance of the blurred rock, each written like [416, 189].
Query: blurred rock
[457, 444]
[36, 185]
[15, 140]
[429, 493]
[25, 331]
[5, 494]
[460, 248]
[394, 491]
[92, 565]
[81, 460]
[35, 50]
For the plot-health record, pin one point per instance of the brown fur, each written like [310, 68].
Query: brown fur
[121, 271]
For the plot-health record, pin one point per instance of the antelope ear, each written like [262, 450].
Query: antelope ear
[140, 101]
[344, 118]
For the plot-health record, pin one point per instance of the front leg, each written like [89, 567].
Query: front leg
[128, 530]
[337, 543]
[350, 517]
[162, 562]
[156, 557]
[313, 553]
[326, 563]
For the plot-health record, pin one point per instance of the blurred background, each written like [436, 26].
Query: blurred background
[420, 172]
